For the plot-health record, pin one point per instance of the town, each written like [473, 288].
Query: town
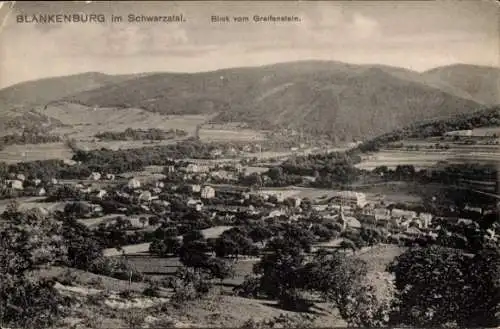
[332, 166]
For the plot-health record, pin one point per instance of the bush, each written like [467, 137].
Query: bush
[153, 290]
[189, 285]
[126, 294]
[294, 301]
[96, 299]
[117, 268]
[134, 319]
[29, 304]
[68, 278]
[249, 288]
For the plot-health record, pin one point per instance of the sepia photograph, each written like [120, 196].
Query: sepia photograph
[249, 164]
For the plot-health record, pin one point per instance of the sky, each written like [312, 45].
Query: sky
[417, 35]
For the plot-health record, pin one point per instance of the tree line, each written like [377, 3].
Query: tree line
[481, 118]
[141, 134]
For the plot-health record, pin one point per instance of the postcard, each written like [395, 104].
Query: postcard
[249, 164]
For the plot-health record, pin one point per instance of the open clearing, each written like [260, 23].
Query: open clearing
[87, 121]
[34, 152]
[427, 159]
[220, 135]
[26, 203]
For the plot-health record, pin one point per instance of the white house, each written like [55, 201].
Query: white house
[110, 177]
[406, 214]
[133, 183]
[21, 177]
[208, 192]
[101, 194]
[192, 168]
[145, 196]
[195, 188]
[350, 198]
[41, 192]
[95, 176]
[37, 182]
[15, 184]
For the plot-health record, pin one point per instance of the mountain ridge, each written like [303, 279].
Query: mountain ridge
[325, 97]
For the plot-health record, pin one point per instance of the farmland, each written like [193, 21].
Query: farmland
[426, 153]
[219, 135]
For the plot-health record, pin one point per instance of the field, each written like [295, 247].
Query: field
[221, 135]
[32, 152]
[427, 155]
[86, 121]
[26, 203]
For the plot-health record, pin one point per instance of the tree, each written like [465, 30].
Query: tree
[260, 233]
[483, 275]
[219, 269]
[279, 270]
[192, 236]
[170, 246]
[29, 241]
[431, 287]
[225, 247]
[153, 220]
[82, 245]
[193, 254]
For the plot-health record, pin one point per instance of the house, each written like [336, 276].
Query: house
[37, 182]
[195, 188]
[170, 169]
[159, 185]
[69, 162]
[215, 153]
[405, 214]
[196, 204]
[426, 219]
[208, 192]
[95, 176]
[222, 175]
[101, 194]
[54, 181]
[192, 168]
[21, 177]
[15, 184]
[348, 221]
[110, 177]
[145, 196]
[41, 191]
[349, 198]
[133, 184]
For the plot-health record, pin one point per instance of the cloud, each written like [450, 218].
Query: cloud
[364, 27]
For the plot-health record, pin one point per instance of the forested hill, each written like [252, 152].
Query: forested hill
[480, 83]
[42, 91]
[486, 117]
[341, 100]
